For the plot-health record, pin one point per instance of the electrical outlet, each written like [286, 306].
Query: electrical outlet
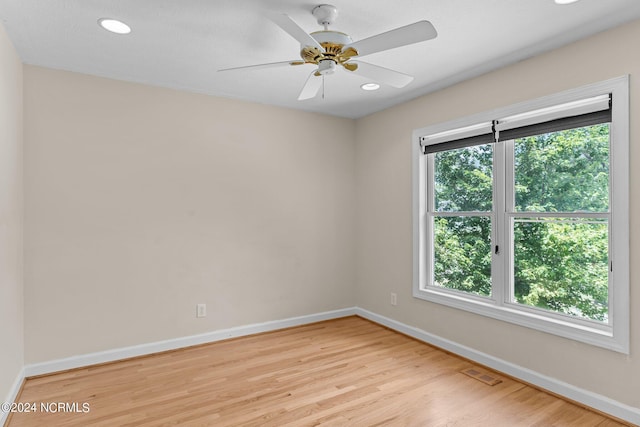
[201, 310]
[394, 298]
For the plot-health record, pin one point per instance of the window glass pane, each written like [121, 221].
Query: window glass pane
[565, 171]
[462, 254]
[561, 265]
[464, 179]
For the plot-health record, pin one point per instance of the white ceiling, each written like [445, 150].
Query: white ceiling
[182, 43]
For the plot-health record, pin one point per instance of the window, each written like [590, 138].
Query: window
[521, 214]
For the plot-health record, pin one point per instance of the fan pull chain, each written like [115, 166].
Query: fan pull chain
[322, 86]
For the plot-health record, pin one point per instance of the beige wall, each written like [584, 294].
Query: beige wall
[11, 288]
[384, 234]
[141, 202]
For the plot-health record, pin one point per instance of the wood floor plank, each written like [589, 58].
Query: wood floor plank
[344, 372]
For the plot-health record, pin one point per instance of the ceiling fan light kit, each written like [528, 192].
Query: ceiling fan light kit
[326, 49]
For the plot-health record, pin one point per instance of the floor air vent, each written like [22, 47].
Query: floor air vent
[485, 377]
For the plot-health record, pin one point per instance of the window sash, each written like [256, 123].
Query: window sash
[502, 218]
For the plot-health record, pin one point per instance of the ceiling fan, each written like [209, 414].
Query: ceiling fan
[329, 49]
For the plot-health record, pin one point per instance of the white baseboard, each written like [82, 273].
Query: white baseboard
[172, 344]
[13, 394]
[585, 397]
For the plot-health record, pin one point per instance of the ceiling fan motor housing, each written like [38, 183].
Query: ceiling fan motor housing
[332, 42]
[332, 37]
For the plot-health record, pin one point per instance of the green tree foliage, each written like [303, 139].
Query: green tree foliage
[463, 254]
[464, 179]
[564, 171]
[464, 183]
[560, 264]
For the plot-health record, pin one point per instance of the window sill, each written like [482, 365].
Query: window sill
[600, 335]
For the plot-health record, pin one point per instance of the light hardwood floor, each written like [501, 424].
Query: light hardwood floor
[344, 372]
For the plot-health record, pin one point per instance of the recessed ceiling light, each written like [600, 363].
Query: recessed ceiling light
[114, 26]
[370, 86]
[565, 1]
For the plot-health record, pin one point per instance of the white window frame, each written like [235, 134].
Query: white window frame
[613, 335]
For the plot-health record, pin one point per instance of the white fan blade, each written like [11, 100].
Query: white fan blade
[311, 87]
[269, 65]
[382, 75]
[294, 30]
[409, 34]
